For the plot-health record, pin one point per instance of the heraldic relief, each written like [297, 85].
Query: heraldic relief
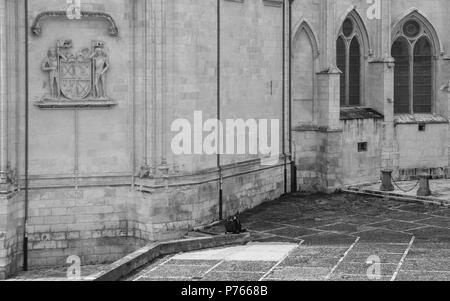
[76, 80]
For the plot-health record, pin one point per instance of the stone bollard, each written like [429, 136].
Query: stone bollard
[424, 186]
[386, 178]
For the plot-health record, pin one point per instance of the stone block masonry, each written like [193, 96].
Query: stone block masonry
[102, 224]
[102, 175]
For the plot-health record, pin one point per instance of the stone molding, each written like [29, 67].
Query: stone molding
[36, 28]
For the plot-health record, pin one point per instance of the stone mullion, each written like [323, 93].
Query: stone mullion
[3, 93]
[143, 88]
[164, 81]
[153, 141]
[159, 109]
[157, 84]
[16, 85]
[147, 15]
[347, 71]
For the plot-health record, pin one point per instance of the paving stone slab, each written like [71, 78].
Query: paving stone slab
[381, 236]
[344, 228]
[278, 239]
[404, 216]
[329, 239]
[251, 252]
[343, 277]
[443, 222]
[396, 225]
[319, 251]
[387, 269]
[177, 271]
[270, 217]
[419, 208]
[363, 257]
[422, 254]
[256, 236]
[443, 213]
[293, 232]
[426, 265]
[374, 248]
[232, 276]
[299, 274]
[262, 226]
[310, 261]
[179, 279]
[427, 245]
[245, 266]
[432, 234]
[423, 276]
[361, 220]
[311, 222]
[207, 263]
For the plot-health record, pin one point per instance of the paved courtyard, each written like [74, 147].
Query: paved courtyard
[322, 237]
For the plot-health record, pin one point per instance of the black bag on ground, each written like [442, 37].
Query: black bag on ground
[233, 225]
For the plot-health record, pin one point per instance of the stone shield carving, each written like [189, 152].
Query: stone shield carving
[76, 79]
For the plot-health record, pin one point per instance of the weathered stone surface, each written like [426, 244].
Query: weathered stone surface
[110, 172]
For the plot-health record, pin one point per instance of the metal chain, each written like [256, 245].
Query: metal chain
[406, 190]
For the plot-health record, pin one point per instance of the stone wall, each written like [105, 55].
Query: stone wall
[318, 157]
[103, 180]
[399, 147]
[421, 151]
[361, 167]
[102, 224]
[11, 233]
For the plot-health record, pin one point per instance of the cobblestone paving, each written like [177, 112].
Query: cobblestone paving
[334, 238]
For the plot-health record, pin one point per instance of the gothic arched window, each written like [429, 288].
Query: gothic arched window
[414, 64]
[349, 61]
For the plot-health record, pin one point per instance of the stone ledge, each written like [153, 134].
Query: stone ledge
[78, 104]
[420, 119]
[316, 128]
[149, 253]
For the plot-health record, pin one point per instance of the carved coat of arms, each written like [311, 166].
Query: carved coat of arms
[80, 76]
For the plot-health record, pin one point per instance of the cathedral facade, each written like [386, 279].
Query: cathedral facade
[93, 94]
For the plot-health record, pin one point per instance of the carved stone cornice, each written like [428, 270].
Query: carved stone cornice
[36, 28]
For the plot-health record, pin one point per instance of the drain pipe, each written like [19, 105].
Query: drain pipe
[284, 96]
[219, 117]
[25, 234]
[293, 164]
